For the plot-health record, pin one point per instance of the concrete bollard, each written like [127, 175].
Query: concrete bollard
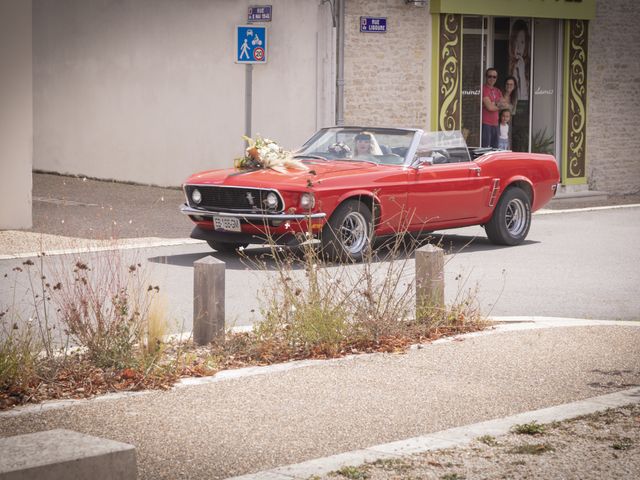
[208, 300]
[429, 278]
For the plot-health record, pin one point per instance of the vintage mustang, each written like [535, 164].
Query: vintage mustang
[354, 184]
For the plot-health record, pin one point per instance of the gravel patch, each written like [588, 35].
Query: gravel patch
[592, 447]
[15, 243]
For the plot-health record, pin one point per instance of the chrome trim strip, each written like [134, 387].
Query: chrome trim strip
[187, 210]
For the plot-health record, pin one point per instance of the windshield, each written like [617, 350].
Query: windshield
[443, 147]
[380, 145]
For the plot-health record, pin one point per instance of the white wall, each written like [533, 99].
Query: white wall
[148, 91]
[16, 125]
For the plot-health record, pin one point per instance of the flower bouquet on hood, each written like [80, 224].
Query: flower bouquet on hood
[265, 153]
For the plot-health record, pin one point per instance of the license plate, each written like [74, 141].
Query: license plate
[228, 224]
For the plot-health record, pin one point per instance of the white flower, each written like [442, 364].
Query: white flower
[287, 225]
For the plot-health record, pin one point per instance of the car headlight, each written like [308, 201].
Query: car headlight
[307, 201]
[196, 196]
[271, 201]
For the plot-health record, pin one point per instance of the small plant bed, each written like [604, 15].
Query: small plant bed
[77, 377]
[98, 326]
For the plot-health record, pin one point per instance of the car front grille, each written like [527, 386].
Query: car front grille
[232, 199]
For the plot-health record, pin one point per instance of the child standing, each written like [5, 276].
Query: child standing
[503, 136]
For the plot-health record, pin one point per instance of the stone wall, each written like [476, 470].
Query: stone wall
[613, 98]
[387, 74]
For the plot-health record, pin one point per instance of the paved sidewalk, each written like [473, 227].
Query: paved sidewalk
[301, 411]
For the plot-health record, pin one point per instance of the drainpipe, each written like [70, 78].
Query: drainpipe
[340, 66]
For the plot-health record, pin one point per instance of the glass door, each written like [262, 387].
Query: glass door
[547, 88]
[518, 55]
[524, 51]
[473, 41]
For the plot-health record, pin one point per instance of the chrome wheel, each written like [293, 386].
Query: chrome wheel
[516, 217]
[511, 219]
[348, 234]
[353, 233]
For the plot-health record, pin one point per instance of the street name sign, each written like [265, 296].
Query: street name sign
[259, 13]
[373, 24]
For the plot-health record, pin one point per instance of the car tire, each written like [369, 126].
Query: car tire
[511, 219]
[226, 247]
[347, 236]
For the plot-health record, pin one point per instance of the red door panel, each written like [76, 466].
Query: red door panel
[448, 192]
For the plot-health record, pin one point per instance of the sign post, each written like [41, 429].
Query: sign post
[251, 48]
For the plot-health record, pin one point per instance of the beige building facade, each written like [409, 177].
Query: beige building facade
[580, 100]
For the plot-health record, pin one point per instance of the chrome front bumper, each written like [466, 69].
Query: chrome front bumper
[187, 210]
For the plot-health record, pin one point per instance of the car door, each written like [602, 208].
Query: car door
[447, 194]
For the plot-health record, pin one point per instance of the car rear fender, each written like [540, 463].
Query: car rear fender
[370, 199]
[521, 182]
[499, 188]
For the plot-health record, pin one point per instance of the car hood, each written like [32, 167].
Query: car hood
[268, 178]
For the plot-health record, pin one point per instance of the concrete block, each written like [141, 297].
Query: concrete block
[65, 454]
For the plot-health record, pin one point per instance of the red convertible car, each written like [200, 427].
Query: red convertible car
[354, 184]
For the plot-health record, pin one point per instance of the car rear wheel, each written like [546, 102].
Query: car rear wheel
[511, 219]
[226, 247]
[347, 236]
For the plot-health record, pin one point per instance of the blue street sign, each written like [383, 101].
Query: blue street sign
[373, 24]
[251, 44]
[259, 13]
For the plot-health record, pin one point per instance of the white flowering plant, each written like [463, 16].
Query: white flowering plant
[265, 153]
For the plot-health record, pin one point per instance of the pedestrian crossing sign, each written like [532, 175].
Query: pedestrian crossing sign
[251, 44]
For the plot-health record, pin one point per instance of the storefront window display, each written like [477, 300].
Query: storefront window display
[525, 52]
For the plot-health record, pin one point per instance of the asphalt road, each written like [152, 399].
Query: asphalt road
[579, 264]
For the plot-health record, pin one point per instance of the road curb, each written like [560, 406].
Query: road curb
[453, 437]
[548, 211]
[138, 244]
